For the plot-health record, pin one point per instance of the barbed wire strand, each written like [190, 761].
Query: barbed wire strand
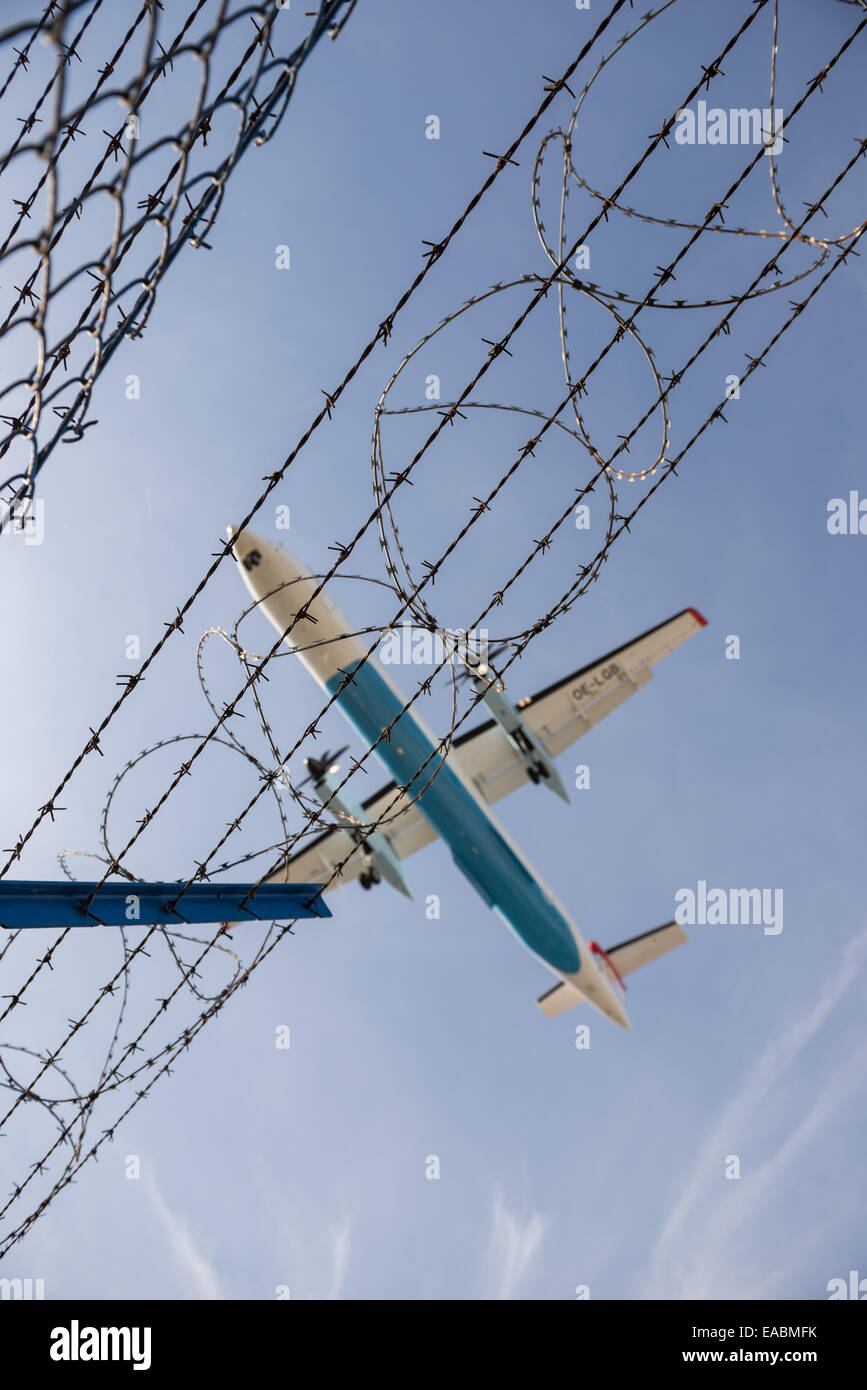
[407, 602]
[173, 1050]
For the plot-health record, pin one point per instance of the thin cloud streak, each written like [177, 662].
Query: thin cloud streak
[694, 1260]
[514, 1248]
[341, 1241]
[192, 1264]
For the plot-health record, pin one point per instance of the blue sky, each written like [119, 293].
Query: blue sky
[305, 1168]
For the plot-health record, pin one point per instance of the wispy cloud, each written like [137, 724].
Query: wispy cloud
[514, 1246]
[195, 1270]
[309, 1243]
[695, 1255]
[340, 1242]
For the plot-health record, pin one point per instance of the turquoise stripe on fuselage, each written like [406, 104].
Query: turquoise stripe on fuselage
[479, 849]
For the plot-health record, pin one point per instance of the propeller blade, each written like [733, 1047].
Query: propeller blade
[318, 767]
[466, 672]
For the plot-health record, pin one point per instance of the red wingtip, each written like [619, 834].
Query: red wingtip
[698, 616]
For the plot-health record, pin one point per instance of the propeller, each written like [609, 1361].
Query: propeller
[473, 665]
[318, 767]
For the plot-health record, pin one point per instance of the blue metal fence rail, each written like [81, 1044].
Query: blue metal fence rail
[39, 903]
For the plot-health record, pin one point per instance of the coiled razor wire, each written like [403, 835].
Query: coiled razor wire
[66, 165]
[123, 1071]
[610, 300]
[316, 818]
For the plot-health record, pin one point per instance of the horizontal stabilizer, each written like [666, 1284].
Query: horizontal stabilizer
[641, 950]
[628, 956]
[557, 1000]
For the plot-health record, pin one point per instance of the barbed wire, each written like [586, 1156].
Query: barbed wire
[173, 184]
[410, 596]
[397, 564]
[432, 255]
[412, 603]
[331, 399]
[171, 1051]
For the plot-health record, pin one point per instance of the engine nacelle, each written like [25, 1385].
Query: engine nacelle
[381, 859]
[540, 766]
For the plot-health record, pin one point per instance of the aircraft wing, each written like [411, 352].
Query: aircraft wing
[558, 716]
[563, 712]
[404, 825]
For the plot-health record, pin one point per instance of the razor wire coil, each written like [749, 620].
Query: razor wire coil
[410, 594]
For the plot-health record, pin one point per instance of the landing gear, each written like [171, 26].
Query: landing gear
[536, 771]
[368, 877]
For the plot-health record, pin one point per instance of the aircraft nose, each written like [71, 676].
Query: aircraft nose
[266, 555]
[244, 540]
[278, 581]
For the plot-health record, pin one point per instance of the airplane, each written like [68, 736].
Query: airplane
[518, 743]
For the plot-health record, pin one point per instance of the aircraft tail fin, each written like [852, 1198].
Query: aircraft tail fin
[626, 957]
